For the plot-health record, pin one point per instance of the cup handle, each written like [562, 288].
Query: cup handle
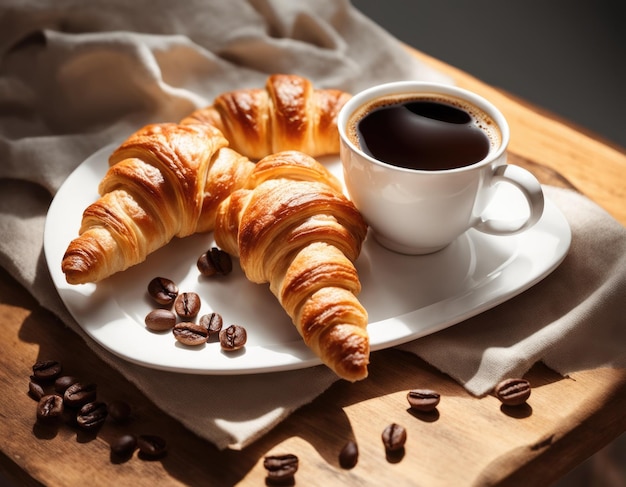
[525, 182]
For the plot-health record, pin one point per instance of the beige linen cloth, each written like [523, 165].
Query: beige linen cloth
[76, 76]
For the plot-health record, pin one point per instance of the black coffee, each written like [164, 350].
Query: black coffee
[427, 133]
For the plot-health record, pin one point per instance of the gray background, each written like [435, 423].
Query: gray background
[566, 56]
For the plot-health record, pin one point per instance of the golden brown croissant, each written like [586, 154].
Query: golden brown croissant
[288, 114]
[164, 181]
[294, 228]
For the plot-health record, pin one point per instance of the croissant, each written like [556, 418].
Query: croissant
[293, 228]
[288, 114]
[165, 181]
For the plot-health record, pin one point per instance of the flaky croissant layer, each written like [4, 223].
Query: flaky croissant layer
[288, 114]
[294, 229]
[164, 181]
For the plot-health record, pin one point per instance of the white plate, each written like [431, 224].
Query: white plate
[406, 297]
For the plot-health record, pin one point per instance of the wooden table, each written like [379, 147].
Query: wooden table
[470, 442]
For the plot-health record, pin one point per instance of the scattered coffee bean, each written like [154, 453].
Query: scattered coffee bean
[35, 390]
[281, 468]
[187, 305]
[92, 415]
[233, 338]
[394, 437]
[215, 261]
[163, 290]
[63, 382]
[151, 446]
[119, 411]
[79, 394]
[160, 320]
[349, 455]
[513, 392]
[50, 408]
[47, 370]
[423, 400]
[190, 334]
[212, 322]
[124, 446]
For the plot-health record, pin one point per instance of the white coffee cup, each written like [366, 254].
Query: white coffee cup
[419, 211]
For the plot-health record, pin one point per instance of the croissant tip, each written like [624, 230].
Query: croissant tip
[73, 276]
[357, 377]
[75, 267]
[353, 368]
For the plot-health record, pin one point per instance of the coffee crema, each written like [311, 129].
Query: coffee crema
[424, 132]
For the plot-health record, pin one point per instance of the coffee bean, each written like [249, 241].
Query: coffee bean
[349, 455]
[160, 320]
[92, 415]
[281, 468]
[163, 290]
[423, 400]
[394, 437]
[215, 262]
[50, 408]
[233, 338]
[212, 322]
[513, 392]
[123, 446]
[119, 411]
[35, 390]
[79, 394]
[187, 305]
[47, 370]
[190, 334]
[151, 446]
[63, 382]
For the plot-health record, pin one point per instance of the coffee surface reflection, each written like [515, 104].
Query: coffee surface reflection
[426, 134]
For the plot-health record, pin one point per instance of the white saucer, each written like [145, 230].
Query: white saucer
[406, 297]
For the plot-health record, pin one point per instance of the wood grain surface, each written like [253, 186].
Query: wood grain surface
[469, 441]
